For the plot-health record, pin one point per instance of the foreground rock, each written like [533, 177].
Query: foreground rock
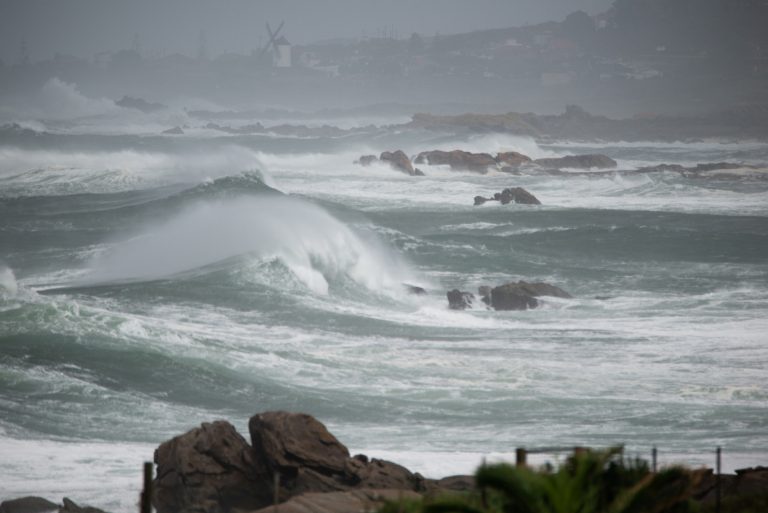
[510, 195]
[40, 505]
[458, 160]
[596, 161]
[212, 469]
[354, 501]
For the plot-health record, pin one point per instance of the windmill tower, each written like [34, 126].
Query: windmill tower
[279, 46]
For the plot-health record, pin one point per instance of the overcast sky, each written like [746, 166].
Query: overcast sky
[84, 27]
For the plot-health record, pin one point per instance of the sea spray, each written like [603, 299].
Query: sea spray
[8, 285]
[314, 245]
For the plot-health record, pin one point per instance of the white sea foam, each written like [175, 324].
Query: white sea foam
[313, 244]
[8, 285]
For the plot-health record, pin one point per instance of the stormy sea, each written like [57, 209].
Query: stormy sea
[150, 282]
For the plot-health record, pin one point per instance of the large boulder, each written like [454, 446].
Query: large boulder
[289, 441]
[210, 469]
[458, 160]
[578, 162]
[398, 160]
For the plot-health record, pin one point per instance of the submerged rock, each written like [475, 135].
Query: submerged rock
[578, 162]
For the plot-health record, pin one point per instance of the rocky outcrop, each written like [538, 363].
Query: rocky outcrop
[414, 289]
[596, 161]
[458, 160]
[212, 469]
[458, 300]
[398, 161]
[519, 296]
[510, 195]
[512, 159]
[177, 130]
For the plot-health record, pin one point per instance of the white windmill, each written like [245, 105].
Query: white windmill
[281, 48]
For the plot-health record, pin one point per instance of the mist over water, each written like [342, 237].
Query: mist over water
[186, 232]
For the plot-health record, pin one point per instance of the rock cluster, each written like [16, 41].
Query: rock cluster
[596, 161]
[212, 468]
[510, 296]
[510, 195]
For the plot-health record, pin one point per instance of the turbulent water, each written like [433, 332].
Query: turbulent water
[150, 283]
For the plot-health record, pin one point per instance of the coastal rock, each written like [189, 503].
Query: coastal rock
[212, 469]
[521, 295]
[510, 195]
[512, 159]
[287, 441]
[366, 160]
[399, 161]
[458, 300]
[457, 160]
[353, 501]
[28, 505]
[174, 131]
[578, 162]
[414, 289]
[382, 474]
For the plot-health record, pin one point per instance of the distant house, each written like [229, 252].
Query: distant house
[282, 55]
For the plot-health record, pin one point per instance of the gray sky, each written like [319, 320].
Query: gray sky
[83, 27]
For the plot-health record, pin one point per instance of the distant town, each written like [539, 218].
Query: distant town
[654, 55]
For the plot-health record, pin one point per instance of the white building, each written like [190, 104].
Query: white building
[282, 55]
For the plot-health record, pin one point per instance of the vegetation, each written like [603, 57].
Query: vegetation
[589, 482]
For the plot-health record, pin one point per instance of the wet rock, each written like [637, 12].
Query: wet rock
[512, 159]
[414, 289]
[458, 300]
[212, 469]
[458, 160]
[522, 295]
[28, 505]
[510, 195]
[366, 160]
[578, 162]
[399, 161]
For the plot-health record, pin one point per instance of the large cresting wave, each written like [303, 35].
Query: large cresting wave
[315, 246]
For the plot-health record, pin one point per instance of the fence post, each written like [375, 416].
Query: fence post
[719, 471]
[146, 494]
[654, 456]
[521, 456]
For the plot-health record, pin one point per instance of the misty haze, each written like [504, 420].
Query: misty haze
[247, 240]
